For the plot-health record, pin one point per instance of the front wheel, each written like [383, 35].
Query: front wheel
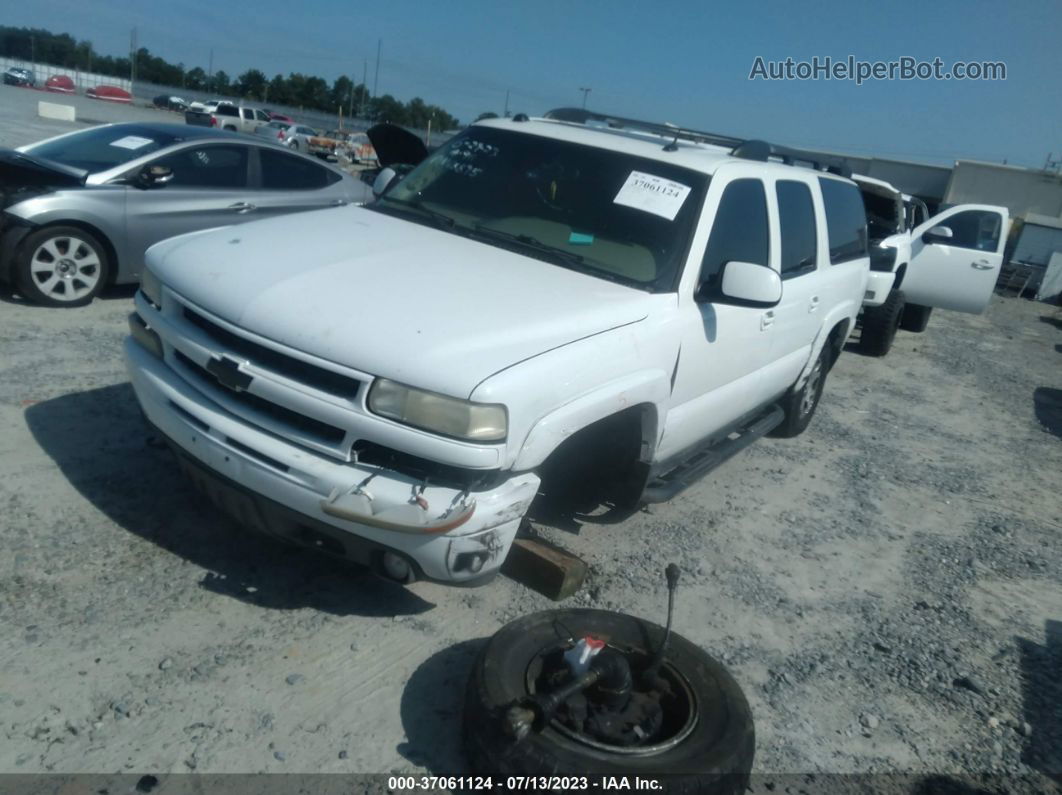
[880, 324]
[697, 729]
[61, 266]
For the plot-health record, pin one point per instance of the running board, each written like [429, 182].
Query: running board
[701, 460]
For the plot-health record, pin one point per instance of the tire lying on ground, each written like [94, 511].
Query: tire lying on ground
[707, 741]
[915, 317]
[880, 324]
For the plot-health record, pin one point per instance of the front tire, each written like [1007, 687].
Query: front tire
[61, 266]
[714, 756]
[915, 318]
[880, 324]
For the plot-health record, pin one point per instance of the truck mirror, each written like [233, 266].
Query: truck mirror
[938, 234]
[748, 284]
[384, 180]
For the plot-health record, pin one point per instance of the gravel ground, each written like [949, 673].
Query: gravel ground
[887, 588]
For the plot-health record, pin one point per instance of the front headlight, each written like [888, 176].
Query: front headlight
[462, 419]
[151, 287]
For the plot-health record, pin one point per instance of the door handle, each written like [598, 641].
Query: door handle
[814, 305]
[981, 265]
[766, 320]
[242, 207]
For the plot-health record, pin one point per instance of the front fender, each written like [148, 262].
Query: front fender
[648, 388]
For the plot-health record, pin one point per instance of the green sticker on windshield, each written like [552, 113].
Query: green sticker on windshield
[580, 239]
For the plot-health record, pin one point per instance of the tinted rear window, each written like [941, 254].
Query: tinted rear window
[796, 215]
[846, 220]
[281, 171]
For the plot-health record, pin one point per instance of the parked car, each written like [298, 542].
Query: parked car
[297, 137]
[17, 76]
[227, 116]
[555, 303]
[110, 94]
[169, 102]
[280, 117]
[80, 210]
[919, 263]
[60, 84]
[327, 145]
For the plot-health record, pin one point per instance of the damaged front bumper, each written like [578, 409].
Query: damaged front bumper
[356, 511]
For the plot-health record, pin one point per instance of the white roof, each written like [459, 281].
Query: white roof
[689, 154]
[876, 183]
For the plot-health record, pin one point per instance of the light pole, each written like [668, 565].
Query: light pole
[586, 92]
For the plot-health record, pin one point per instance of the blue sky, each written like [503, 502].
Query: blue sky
[685, 62]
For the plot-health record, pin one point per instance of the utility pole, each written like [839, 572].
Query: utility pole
[506, 103]
[210, 71]
[33, 50]
[364, 86]
[132, 57]
[586, 92]
[376, 79]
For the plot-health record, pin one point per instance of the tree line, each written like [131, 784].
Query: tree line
[297, 90]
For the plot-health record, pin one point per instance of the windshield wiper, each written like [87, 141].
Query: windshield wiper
[559, 256]
[442, 220]
[569, 257]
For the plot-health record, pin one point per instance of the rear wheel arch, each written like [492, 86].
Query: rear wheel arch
[836, 339]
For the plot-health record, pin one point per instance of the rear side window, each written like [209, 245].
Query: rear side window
[846, 220]
[226, 110]
[281, 171]
[740, 231]
[796, 216]
[208, 167]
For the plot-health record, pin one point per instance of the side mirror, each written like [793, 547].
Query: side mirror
[748, 284]
[155, 176]
[938, 234]
[384, 180]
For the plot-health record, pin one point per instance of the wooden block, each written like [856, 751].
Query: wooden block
[545, 567]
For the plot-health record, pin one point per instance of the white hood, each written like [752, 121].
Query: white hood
[390, 297]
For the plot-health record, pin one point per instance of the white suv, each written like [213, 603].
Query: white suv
[554, 297]
[950, 261]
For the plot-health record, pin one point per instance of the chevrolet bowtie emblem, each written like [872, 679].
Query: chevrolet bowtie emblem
[227, 372]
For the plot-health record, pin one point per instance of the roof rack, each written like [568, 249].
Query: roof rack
[739, 147]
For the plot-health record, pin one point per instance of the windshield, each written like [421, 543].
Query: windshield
[884, 215]
[103, 148]
[609, 214]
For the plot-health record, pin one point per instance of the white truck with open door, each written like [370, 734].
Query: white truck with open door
[948, 261]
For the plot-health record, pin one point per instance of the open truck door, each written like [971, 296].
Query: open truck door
[955, 258]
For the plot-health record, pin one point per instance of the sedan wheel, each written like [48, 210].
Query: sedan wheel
[62, 266]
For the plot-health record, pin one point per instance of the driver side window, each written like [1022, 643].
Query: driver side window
[740, 230]
[974, 229]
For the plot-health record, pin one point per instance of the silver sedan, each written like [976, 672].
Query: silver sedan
[77, 212]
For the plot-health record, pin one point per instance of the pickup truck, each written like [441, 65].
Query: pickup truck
[227, 116]
[542, 305]
[917, 263]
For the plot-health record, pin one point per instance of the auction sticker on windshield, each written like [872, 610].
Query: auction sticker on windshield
[131, 142]
[652, 194]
